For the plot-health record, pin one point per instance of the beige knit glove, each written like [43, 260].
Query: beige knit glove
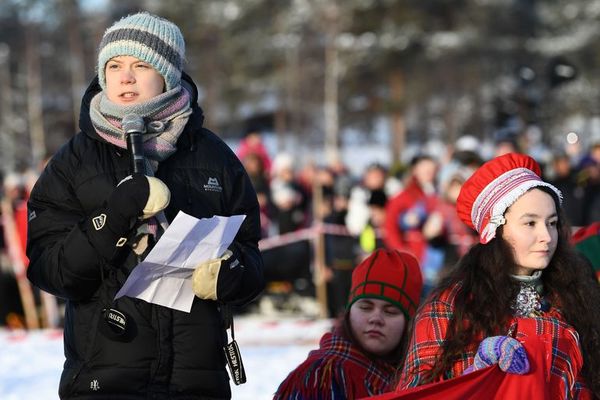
[158, 197]
[205, 277]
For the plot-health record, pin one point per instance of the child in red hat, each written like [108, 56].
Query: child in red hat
[361, 355]
[523, 282]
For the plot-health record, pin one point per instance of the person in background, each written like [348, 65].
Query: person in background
[508, 140]
[448, 238]
[407, 212]
[522, 283]
[589, 176]
[464, 155]
[290, 201]
[371, 237]
[564, 178]
[13, 199]
[254, 166]
[366, 346]
[252, 143]
[92, 220]
[375, 177]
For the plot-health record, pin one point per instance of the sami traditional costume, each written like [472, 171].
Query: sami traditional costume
[563, 371]
[555, 360]
[337, 370]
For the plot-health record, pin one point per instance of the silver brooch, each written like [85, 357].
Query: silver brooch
[527, 303]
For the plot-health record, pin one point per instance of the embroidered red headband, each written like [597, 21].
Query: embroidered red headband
[494, 187]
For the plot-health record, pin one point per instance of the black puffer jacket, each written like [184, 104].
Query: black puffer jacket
[165, 354]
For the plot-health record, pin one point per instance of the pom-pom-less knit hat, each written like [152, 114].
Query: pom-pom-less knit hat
[149, 38]
[495, 186]
[389, 275]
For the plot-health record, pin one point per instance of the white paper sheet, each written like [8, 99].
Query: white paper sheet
[164, 276]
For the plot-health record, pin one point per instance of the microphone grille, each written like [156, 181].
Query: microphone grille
[133, 123]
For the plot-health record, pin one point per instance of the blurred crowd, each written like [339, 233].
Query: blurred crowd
[320, 215]
[409, 207]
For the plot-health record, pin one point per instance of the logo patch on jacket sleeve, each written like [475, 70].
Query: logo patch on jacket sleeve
[99, 221]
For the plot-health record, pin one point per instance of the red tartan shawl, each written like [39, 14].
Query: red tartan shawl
[490, 383]
[494, 384]
[564, 354]
[337, 370]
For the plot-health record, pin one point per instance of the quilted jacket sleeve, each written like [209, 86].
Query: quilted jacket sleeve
[245, 246]
[62, 260]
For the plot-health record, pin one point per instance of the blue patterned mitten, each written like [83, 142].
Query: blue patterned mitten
[505, 351]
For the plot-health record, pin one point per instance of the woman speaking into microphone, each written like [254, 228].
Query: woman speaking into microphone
[93, 217]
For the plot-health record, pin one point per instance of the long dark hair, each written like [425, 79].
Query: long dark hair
[487, 292]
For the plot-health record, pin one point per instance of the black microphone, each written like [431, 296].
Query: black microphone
[134, 128]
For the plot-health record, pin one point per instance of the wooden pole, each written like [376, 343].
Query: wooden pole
[320, 274]
[398, 123]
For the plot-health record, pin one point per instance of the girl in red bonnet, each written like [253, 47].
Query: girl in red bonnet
[361, 355]
[522, 283]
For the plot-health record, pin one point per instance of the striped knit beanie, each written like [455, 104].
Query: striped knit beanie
[495, 186]
[389, 275]
[149, 38]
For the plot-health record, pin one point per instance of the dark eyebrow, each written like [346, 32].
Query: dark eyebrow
[121, 62]
[533, 215]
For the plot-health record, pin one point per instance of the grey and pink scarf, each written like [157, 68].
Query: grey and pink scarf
[165, 116]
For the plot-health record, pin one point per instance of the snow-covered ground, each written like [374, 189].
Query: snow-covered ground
[31, 362]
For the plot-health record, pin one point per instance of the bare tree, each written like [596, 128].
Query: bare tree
[7, 155]
[77, 57]
[34, 94]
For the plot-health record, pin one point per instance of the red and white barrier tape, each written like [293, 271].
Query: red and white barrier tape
[302, 234]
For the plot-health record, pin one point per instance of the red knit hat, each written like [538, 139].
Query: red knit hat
[494, 187]
[388, 275]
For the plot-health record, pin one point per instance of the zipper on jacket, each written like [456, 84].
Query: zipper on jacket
[192, 138]
[188, 190]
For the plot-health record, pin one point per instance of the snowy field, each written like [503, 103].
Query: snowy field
[31, 362]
